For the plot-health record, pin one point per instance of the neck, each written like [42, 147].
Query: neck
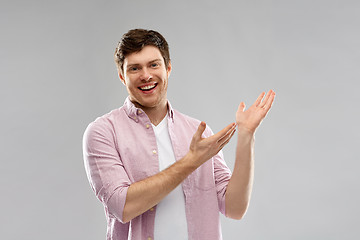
[155, 114]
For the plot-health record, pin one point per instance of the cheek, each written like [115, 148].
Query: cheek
[130, 87]
[130, 83]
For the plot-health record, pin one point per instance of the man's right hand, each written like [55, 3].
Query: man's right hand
[144, 194]
[202, 149]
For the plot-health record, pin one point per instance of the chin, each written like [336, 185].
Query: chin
[147, 104]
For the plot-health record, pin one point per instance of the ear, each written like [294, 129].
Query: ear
[168, 70]
[122, 78]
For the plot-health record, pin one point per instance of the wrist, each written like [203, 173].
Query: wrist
[241, 130]
[192, 160]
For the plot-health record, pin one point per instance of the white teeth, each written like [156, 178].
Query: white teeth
[147, 87]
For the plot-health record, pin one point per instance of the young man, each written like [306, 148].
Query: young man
[159, 173]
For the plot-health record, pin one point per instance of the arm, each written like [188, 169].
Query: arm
[111, 184]
[238, 192]
[146, 193]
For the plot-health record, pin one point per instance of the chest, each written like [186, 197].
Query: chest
[139, 151]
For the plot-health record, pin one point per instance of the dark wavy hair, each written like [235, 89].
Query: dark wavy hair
[135, 40]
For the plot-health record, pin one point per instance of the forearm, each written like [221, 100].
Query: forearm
[143, 195]
[239, 189]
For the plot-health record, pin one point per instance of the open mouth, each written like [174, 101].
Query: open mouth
[148, 87]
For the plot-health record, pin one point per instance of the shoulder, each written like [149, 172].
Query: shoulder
[185, 118]
[190, 122]
[105, 124]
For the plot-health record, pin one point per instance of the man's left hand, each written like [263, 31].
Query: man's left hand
[251, 118]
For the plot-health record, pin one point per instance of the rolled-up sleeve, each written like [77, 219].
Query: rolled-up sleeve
[222, 175]
[104, 168]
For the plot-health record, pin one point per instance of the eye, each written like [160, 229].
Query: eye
[154, 65]
[133, 69]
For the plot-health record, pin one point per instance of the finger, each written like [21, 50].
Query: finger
[262, 104]
[258, 100]
[200, 130]
[223, 132]
[269, 102]
[241, 107]
[227, 140]
[227, 134]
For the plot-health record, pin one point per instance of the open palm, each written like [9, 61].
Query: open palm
[251, 118]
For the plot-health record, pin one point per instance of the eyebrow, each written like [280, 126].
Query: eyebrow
[155, 60]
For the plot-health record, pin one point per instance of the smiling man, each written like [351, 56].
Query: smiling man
[159, 173]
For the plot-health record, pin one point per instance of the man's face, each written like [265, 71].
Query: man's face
[146, 77]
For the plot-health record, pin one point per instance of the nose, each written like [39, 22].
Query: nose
[145, 75]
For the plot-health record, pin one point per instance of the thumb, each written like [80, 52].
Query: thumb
[241, 107]
[200, 130]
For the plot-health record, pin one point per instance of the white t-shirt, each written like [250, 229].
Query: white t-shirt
[170, 218]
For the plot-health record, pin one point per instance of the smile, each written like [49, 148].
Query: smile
[148, 87]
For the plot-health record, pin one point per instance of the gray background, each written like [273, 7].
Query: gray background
[57, 75]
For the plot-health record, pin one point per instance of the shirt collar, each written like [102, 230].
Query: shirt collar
[132, 111]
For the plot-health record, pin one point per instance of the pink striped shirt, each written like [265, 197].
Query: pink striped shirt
[120, 149]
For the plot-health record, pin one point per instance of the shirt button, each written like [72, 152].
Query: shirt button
[147, 125]
[139, 111]
[151, 209]
[154, 151]
[135, 118]
[149, 238]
